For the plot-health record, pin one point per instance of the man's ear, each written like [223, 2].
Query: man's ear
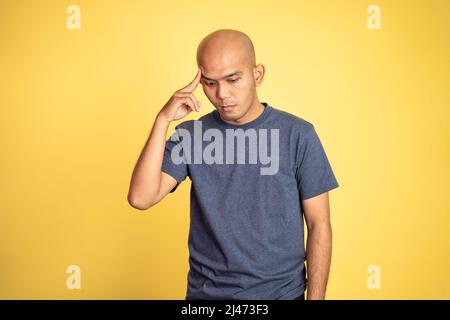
[258, 73]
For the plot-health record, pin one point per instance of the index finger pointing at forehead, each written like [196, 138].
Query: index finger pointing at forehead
[191, 86]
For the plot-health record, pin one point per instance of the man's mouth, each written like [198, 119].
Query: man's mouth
[228, 108]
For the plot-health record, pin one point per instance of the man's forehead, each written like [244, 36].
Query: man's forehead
[227, 75]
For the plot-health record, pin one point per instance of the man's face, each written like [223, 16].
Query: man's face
[228, 80]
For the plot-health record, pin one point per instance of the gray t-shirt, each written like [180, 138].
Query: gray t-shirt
[246, 217]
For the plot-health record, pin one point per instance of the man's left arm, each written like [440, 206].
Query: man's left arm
[319, 244]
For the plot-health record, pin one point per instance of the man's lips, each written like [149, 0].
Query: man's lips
[228, 108]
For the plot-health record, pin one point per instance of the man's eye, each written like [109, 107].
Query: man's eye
[234, 80]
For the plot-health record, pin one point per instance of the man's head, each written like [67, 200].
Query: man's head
[230, 75]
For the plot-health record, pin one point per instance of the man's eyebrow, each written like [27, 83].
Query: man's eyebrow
[227, 76]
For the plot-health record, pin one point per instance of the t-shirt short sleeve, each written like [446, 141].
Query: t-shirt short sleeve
[313, 171]
[177, 169]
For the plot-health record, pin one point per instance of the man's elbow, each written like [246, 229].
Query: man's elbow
[139, 203]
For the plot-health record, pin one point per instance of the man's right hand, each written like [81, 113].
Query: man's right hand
[182, 102]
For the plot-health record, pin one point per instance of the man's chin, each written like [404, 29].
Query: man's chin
[229, 117]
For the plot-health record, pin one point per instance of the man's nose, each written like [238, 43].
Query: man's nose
[223, 92]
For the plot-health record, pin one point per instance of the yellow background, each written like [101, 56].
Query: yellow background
[77, 107]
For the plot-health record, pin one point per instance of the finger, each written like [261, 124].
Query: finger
[188, 102]
[194, 83]
[194, 101]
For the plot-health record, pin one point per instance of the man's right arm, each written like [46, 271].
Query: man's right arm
[149, 184]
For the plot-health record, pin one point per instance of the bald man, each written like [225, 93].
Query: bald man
[256, 173]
